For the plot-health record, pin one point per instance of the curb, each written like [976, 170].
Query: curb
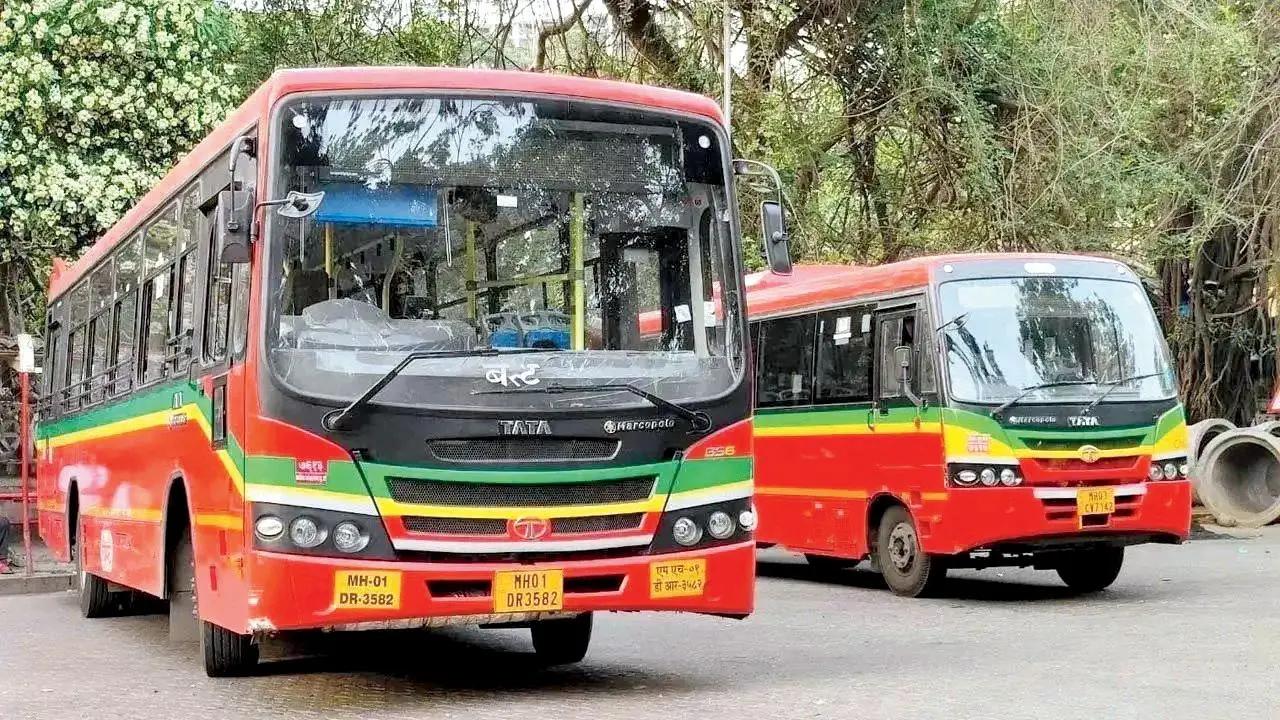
[19, 584]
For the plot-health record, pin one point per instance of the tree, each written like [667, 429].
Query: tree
[97, 100]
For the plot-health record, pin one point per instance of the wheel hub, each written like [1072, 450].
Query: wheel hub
[902, 546]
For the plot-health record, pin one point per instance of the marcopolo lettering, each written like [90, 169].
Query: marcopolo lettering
[649, 424]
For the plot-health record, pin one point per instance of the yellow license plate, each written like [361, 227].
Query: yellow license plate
[366, 589]
[677, 578]
[1095, 501]
[528, 591]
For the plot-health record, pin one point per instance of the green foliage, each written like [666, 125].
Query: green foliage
[97, 98]
[295, 33]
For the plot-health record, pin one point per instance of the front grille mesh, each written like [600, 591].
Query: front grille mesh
[469, 494]
[455, 526]
[596, 523]
[496, 527]
[523, 449]
[1122, 442]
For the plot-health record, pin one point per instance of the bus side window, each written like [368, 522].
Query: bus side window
[218, 303]
[844, 356]
[896, 328]
[784, 361]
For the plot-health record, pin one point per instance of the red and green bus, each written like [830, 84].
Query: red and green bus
[369, 357]
[966, 411]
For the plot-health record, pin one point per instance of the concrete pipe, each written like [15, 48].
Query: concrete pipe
[1271, 427]
[1198, 438]
[1240, 478]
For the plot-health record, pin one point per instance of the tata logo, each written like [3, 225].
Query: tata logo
[1089, 453]
[524, 427]
[1083, 421]
[528, 528]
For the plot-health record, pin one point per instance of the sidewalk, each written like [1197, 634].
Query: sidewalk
[47, 575]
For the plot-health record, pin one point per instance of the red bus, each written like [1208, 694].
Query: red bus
[966, 411]
[283, 392]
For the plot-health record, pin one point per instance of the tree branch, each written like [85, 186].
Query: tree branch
[558, 29]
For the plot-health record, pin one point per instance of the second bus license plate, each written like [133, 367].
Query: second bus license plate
[528, 591]
[1095, 501]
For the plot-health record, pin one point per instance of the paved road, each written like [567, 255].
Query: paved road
[1187, 632]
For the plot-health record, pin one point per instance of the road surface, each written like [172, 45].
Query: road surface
[1187, 632]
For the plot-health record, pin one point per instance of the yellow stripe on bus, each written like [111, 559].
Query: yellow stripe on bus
[220, 521]
[151, 515]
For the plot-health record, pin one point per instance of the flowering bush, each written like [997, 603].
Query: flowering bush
[98, 98]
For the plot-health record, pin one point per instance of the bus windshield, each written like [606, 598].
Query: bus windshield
[1003, 336]
[540, 229]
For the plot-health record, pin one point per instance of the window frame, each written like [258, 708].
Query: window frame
[858, 311]
[761, 334]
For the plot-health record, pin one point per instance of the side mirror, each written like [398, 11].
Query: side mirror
[298, 205]
[902, 358]
[231, 226]
[777, 244]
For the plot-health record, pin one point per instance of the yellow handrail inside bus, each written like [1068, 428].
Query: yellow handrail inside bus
[577, 231]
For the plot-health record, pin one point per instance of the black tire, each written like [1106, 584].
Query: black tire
[562, 642]
[1092, 570]
[227, 653]
[96, 599]
[907, 570]
[827, 563]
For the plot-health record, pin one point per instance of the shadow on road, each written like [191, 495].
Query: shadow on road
[989, 588]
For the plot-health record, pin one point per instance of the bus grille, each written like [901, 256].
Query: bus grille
[1123, 442]
[596, 523]
[523, 449]
[493, 527]
[467, 494]
[455, 526]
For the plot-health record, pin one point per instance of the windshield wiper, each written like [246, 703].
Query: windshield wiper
[1112, 385]
[958, 321]
[1032, 388]
[335, 419]
[699, 422]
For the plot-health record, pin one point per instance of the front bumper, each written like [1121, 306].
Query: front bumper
[966, 519]
[296, 592]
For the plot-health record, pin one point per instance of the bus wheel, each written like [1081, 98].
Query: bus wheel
[227, 653]
[907, 570]
[1091, 570]
[96, 600]
[827, 563]
[562, 642]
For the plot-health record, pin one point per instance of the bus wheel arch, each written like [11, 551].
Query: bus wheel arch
[896, 551]
[178, 582]
[73, 519]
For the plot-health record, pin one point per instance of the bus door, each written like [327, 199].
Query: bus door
[906, 419]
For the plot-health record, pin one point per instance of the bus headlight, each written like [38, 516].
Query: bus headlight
[269, 527]
[686, 532]
[720, 525]
[1155, 473]
[1170, 471]
[305, 532]
[967, 475]
[747, 519]
[348, 537]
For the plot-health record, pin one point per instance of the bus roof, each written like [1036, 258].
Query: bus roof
[287, 82]
[816, 286]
